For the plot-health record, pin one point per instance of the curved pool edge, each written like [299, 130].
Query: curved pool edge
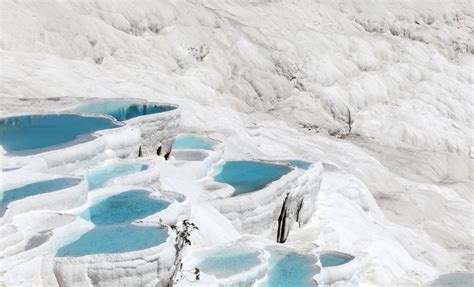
[258, 212]
[158, 129]
[131, 268]
[344, 272]
[59, 200]
[199, 168]
[80, 138]
[213, 144]
[144, 134]
[244, 278]
[281, 253]
[141, 264]
[149, 176]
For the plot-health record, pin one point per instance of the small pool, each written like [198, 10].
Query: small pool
[457, 279]
[193, 142]
[334, 259]
[190, 155]
[122, 110]
[124, 207]
[300, 163]
[114, 239]
[291, 269]
[226, 262]
[98, 177]
[249, 176]
[36, 188]
[31, 134]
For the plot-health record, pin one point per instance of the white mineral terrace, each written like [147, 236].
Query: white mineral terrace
[310, 142]
[111, 164]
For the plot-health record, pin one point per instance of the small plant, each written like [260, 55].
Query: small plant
[183, 233]
[199, 53]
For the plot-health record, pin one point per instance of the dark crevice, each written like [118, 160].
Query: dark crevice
[167, 155]
[282, 224]
[158, 151]
[140, 152]
[298, 209]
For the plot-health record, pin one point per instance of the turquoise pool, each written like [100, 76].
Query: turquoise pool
[124, 207]
[249, 176]
[229, 261]
[36, 188]
[290, 269]
[334, 259]
[114, 239]
[122, 110]
[31, 134]
[98, 177]
[192, 142]
[113, 232]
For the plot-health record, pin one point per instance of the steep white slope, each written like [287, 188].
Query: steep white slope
[381, 70]
[264, 76]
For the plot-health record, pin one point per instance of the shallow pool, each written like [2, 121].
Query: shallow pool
[114, 239]
[122, 110]
[31, 134]
[249, 176]
[334, 259]
[300, 163]
[36, 188]
[98, 177]
[190, 155]
[290, 269]
[192, 142]
[457, 279]
[124, 207]
[228, 261]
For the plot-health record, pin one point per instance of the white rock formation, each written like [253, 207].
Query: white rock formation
[275, 79]
[274, 210]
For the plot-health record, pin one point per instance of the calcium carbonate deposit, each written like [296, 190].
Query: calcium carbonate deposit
[236, 143]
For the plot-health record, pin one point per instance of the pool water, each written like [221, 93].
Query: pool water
[30, 133]
[300, 163]
[36, 188]
[228, 262]
[124, 207]
[457, 279]
[192, 142]
[334, 259]
[249, 176]
[290, 269]
[98, 177]
[122, 110]
[113, 232]
[190, 155]
[114, 239]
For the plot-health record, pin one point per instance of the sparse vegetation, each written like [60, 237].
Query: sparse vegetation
[183, 233]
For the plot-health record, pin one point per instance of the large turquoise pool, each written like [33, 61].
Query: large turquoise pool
[122, 110]
[114, 239]
[124, 207]
[36, 188]
[290, 269]
[34, 133]
[114, 232]
[98, 177]
[248, 176]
